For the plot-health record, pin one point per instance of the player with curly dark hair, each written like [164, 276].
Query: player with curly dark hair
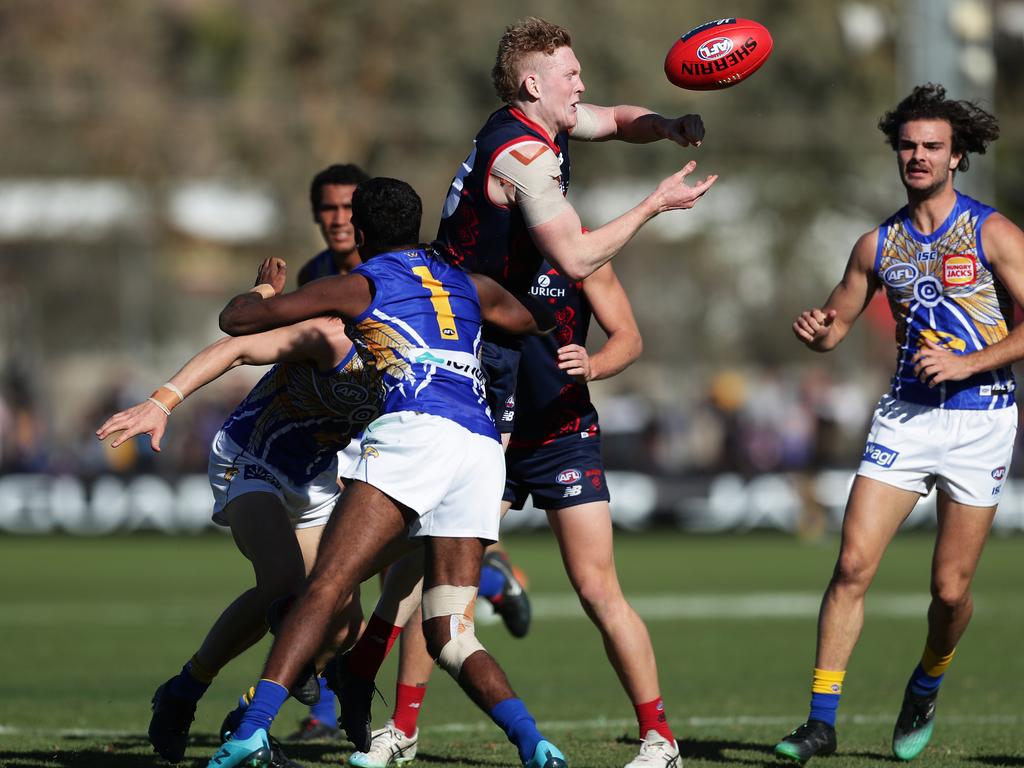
[952, 268]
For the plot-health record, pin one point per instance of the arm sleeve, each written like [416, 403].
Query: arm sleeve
[533, 169]
[586, 124]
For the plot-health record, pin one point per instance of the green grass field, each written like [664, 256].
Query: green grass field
[90, 627]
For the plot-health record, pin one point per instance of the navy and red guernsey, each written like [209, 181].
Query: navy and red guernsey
[486, 237]
[551, 404]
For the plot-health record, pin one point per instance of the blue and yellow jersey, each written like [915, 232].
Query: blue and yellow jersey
[321, 265]
[941, 288]
[421, 332]
[297, 417]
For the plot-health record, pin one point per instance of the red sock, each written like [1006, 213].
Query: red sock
[408, 699]
[651, 717]
[372, 648]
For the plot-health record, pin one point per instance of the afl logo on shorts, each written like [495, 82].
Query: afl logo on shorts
[959, 269]
[899, 275]
[999, 473]
[715, 48]
[568, 476]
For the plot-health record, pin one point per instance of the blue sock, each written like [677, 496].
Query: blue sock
[518, 724]
[262, 710]
[185, 686]
[492, 581]
[923, 684]
[323, 710]
[823, 707]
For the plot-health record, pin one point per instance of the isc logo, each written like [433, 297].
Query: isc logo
[715, 48]
[878, 454]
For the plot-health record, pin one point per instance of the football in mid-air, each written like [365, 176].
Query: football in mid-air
[718, 54]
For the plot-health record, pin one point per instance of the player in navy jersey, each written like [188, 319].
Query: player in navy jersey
[506, 209]
[273, 469]
[330, 197]
[431, 466]
[952, 269]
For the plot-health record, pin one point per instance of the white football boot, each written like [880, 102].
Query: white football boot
[656, 752]
[389, 745]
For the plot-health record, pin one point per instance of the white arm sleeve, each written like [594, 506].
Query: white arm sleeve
[586, 124]
[534, 170]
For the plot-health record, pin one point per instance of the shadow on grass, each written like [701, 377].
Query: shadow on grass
[1000, 760]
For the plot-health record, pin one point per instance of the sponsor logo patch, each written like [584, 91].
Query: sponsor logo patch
[899, 275]
[959, 269]
[572, 490]
[568, 476]
[999, 473]
[878, 454]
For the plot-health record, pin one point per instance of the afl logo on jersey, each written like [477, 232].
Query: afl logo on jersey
[899, 275]
[959, 269]
[568, 476]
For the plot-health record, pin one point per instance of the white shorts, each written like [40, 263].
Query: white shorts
[966, 453]
[451, 477]
[348, 456]
[234, 472]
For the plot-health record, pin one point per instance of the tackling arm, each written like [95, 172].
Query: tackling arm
[512, 314]
[321, 341]
[637, 125]
[343, 295]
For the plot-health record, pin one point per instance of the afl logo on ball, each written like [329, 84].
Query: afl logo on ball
[568, 476]
[714, 48]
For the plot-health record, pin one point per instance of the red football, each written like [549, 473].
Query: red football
[718, 54]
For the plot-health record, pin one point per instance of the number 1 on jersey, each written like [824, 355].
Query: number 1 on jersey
[439, 298]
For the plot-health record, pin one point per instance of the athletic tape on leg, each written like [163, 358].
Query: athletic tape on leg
[457, 603]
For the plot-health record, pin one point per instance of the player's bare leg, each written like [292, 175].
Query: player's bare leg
[584, 534]
[264, 534]
[362, 527]
[874, 512]
[962, 533]
[452, 570]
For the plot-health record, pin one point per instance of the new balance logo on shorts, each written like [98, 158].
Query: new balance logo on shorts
[878, 454]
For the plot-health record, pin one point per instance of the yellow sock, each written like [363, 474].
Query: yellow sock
[933, 664]
[828, 681]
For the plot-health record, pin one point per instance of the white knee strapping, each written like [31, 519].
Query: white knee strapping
[457, 603]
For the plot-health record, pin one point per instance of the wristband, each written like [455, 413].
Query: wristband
[175, 390]
[159, 405]
[266, 290]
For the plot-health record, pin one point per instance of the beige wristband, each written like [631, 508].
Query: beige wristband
[266, 290]
[166, 398]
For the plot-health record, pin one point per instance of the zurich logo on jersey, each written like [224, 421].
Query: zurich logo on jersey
[899, 275]
[878, 454]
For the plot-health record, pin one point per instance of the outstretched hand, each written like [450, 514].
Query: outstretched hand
[814, 324]
[674, 193]
[142, 419]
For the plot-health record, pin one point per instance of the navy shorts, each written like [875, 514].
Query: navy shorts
[501, 365]
[565, 473]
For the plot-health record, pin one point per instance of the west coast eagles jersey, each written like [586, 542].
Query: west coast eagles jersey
[941, 288]
[421, 332]
[297, 417]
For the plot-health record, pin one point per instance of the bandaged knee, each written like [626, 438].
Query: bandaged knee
[457, 604]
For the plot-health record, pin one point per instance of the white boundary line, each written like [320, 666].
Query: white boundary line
[597, 723]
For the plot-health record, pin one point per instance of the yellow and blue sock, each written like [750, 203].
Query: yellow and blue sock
[324, 710]
[826, 688]
[266, 703]
[927, 676]
[193, 680]
[518, 724]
